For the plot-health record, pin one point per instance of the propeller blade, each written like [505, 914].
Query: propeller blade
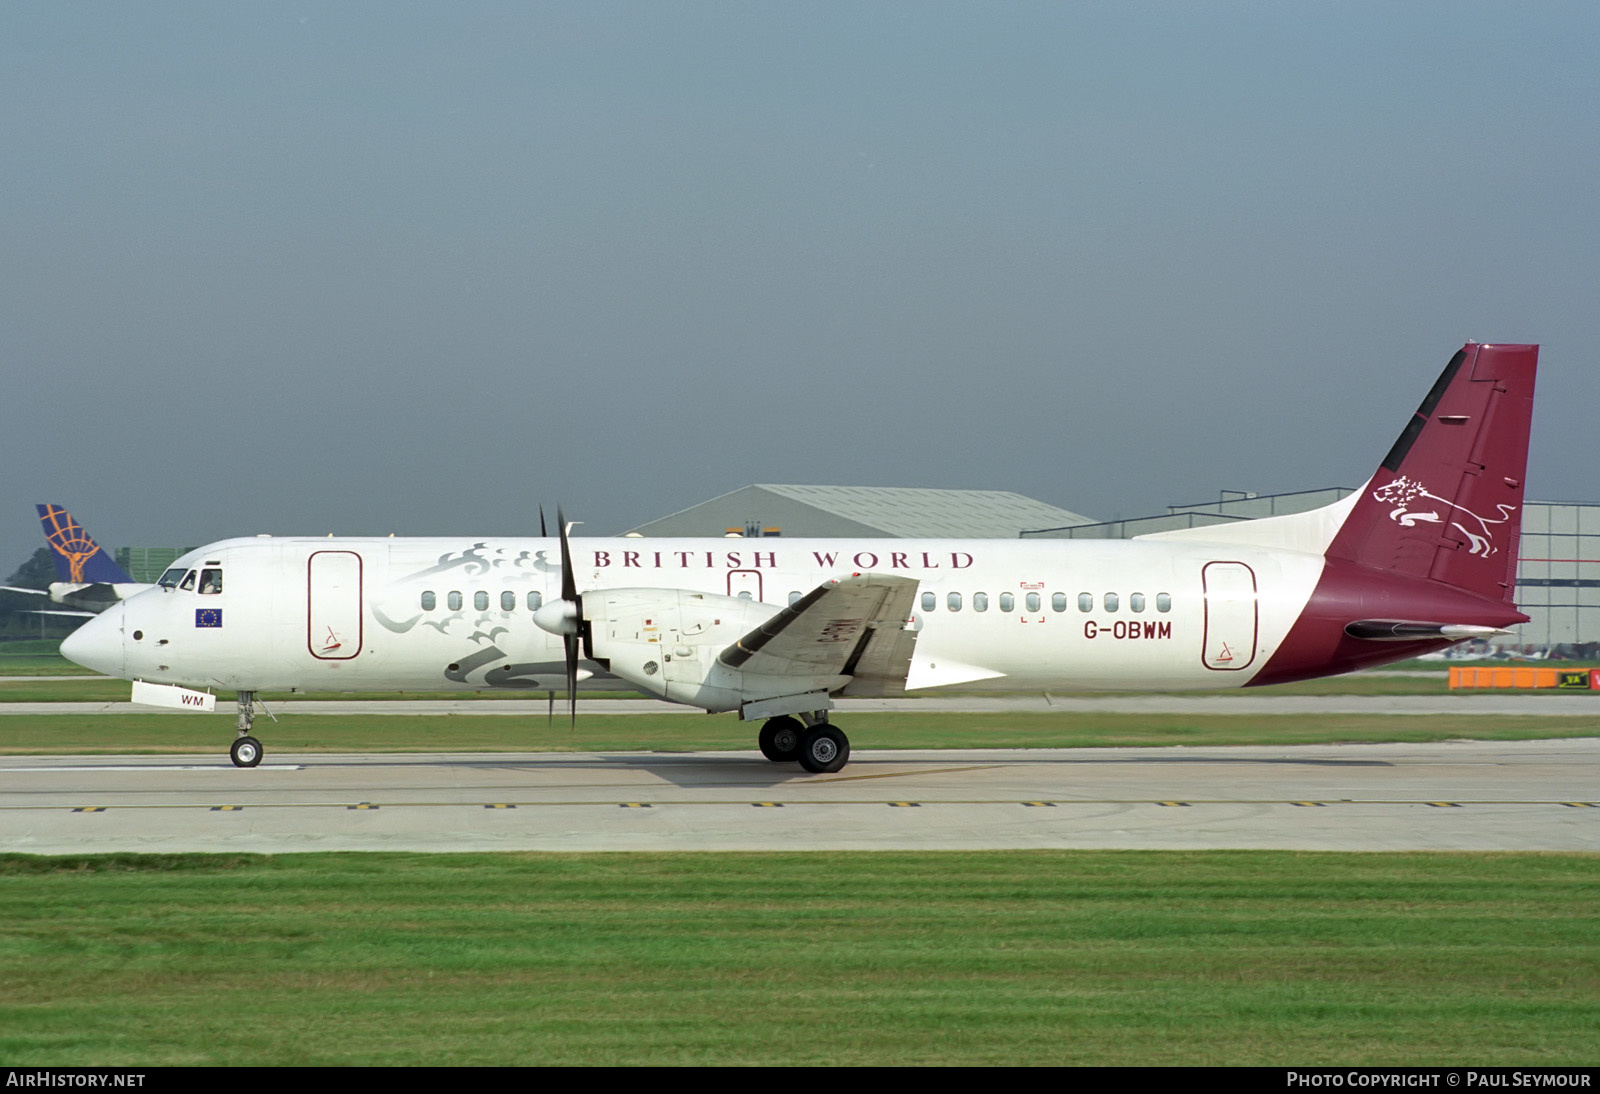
[569, 581]
[569, 593]
[571, 641]
[542, 533]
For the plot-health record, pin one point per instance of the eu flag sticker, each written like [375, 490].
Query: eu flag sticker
[208, 617]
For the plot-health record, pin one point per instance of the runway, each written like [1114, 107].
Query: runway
[1546, 704]
[1515, 796]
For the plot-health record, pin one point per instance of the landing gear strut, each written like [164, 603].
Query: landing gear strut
[246, 751]
[815, 744]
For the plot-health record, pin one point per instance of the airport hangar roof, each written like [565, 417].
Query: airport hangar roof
[902, 512]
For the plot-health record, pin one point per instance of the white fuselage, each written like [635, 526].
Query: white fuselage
[411, 614]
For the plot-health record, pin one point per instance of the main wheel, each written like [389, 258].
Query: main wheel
[823, 749]
[246, 751]
[780, 739]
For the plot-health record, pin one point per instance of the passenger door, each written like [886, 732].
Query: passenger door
[333, 605]
[1230, 630]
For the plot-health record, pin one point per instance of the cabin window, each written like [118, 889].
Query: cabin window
[1008, 603]
[188, 581]
[929, 602]
[1111, 602]
[794, 596]
[429, 601]
[211, 582]
[1136, 602]
[535, 601]
[953, 602]
[480, 600]
[980, 602]
[170, 579]
[1085, 602]
[508, 601]
[1058, 602]
[454, 601]
[1163, 602]
[1033, 601]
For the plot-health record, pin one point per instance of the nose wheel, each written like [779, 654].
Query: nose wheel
[246, 751]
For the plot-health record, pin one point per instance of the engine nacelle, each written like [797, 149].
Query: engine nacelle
[666, 642]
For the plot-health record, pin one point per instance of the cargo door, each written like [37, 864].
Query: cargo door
[1230, 630]
[333, 605]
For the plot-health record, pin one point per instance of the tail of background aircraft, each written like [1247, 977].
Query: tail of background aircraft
[79, 559]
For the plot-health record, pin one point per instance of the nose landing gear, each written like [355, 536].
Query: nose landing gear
[246, 751]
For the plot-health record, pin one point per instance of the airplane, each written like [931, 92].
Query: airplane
[1423, 556]
[90, 580]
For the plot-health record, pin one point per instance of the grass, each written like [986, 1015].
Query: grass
[1218, 958]
[193, 732]
[19, 663]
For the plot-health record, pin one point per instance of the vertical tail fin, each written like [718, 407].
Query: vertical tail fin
[1446, 503]
[79, 559]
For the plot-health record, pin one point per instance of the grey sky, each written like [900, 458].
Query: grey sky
[363, 268]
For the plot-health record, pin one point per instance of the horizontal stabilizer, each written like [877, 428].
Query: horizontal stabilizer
[1394, 630]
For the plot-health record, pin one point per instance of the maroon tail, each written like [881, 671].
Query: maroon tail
[1446, 503]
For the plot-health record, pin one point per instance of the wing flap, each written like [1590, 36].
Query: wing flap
[841, 628]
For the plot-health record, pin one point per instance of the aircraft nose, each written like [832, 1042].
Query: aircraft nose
[97, 644]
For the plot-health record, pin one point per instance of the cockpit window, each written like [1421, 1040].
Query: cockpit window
[188, 581]
[210, 581]
[170, 579]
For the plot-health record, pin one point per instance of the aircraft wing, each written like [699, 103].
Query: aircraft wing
[853, 626]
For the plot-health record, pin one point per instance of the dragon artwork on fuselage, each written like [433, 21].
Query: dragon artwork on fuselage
[531, 567]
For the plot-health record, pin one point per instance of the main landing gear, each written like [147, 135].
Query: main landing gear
[246, 751]
[818, 746]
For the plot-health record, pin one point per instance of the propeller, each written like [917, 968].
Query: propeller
[550, 714]
[565, 616]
